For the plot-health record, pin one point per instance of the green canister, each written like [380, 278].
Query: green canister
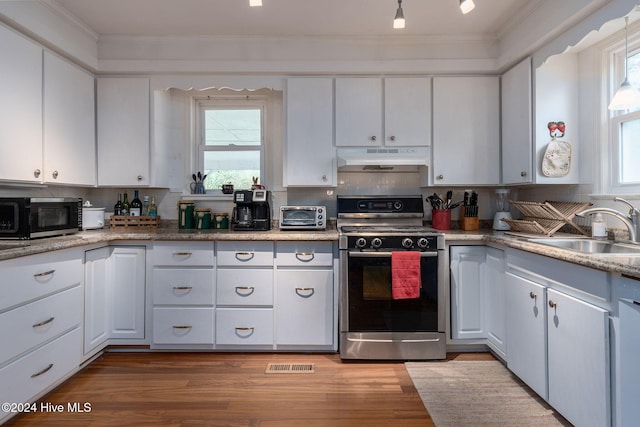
[221, 220]
[185, 214]
[203, 218]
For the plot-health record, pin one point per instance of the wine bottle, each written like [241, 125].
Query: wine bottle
[136, 205]
[145, 206]
[125, 205]
[117, 209]
[153, 208]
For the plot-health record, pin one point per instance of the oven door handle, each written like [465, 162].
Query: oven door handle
[358, 254]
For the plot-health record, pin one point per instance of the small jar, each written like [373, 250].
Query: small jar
[221, 220]
[203, 218]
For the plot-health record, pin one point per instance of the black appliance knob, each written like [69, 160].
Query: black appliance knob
[423, 243]
[361, 242]
[407, 243]
[376, 242]
[397, 205]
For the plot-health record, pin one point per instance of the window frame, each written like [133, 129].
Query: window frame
[227, 102]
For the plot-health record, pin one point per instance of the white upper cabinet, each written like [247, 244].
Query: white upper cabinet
[407, 111]
[20, 108]
[466, 130]
[69, 123]
[309, 152]
[374, 111]
[123, 131]
[517, 149]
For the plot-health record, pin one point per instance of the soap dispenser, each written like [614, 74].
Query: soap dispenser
[598, 227]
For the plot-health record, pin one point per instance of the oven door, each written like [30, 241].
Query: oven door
[298, 217]
[368, 298]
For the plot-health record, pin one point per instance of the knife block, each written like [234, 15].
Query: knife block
[468, 223]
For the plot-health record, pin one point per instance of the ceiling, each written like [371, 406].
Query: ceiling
[287, 18]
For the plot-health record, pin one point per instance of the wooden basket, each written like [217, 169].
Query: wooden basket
[134, 221]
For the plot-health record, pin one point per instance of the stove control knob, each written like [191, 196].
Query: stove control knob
[397, 205]
[423, 243]
[361, 242]
[407, 243]
[376, 242]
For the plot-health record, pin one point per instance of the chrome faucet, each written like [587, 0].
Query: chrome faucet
[630, 221]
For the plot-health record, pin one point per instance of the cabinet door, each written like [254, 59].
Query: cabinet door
[578, 340]
[407, 111]
[467, 292]
[310, 156]
[628, 378]
[494, 281]
[127, 289]
[526, 332]
[358, 111]
[466, 130]
[69, 123]
[123, 131]
[304, 307]
[517, 135]
[20, 108]
[96, 298]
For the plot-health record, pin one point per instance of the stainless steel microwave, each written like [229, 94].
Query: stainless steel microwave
[303, 217]
[34, 217]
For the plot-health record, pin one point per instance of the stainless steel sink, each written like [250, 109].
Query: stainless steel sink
[591, 246]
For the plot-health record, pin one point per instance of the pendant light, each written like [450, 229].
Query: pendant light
[253, 3]
[398, 21]
[466, 6]
[627, 96]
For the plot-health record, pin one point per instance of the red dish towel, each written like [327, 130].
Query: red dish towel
[405, 275]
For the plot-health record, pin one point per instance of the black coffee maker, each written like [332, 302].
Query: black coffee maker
[252, 211]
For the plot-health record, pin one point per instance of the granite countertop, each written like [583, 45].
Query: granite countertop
[169, 231]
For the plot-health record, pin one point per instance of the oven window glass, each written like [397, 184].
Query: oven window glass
[9, 217]
[53, 217]
[372, 307]
[299, 217]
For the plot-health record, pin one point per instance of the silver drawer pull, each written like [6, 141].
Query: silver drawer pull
[46, 322]
[182, 288]
[46, 273]
[305, 256]
[305, 292]
[244, 256]
[245, 331]
[182, 327]
[245, 290]
[45, 370]
[182, 254]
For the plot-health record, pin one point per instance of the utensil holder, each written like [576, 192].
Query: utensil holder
[441, 219]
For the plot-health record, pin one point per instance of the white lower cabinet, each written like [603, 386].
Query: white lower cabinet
[558, 338]
[467, 292]
[179, 325]
[495, 317]
[244, 327]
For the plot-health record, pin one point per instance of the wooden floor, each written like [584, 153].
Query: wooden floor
[232, 389]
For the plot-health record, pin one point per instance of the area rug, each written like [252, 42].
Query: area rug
[478, 393]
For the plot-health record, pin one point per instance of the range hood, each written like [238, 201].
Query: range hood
[382, 159]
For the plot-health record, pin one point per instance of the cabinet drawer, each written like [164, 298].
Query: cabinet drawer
[32, 324]
[241, 326]
[40, 369]
[299, 254]
[244, 287]
[31, 277]
[183, 286]
[245, 254]
[183, 253]
[183, 325]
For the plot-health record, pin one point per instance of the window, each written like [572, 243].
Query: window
[230, 141]
[625, 129]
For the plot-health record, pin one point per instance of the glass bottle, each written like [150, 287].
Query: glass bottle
[153, 208]
[125, 205]
[117, 209]
[145, 206]
[136, 205]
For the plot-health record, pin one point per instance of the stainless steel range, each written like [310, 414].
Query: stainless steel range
[374, 324]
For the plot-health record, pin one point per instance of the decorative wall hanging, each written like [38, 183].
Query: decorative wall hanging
[556, 161]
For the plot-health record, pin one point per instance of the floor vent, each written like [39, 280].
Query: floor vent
[290, 368]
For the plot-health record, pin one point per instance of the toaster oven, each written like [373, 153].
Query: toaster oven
[303, 217]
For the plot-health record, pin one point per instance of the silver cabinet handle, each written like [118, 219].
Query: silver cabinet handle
[139, 178]
[440, 177]
[46, 273]
[46, 322]
[55, 174]
[373, 138]
[244, 290]
[245, 331]
[182, 327]
[523, 174]
[324, 178]
[305, 256]
[36, 173]
[533, 295]
[244, 256]
[392, 138]
[182, 288]
[182, 254]
[45, 370]
[305, 292]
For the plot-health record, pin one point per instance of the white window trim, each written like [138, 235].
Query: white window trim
[227, 101]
